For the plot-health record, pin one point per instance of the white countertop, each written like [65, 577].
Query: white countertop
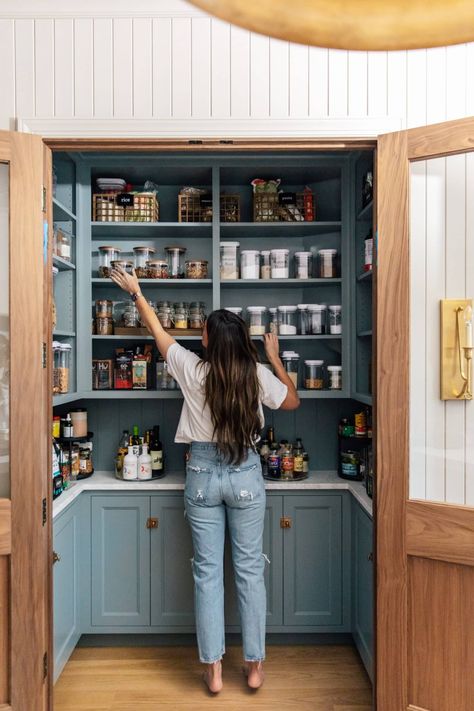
[174, 481]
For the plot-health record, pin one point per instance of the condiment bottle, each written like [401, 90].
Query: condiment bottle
[264, 453]
[144, 464]
[298, 457]
[156, 452]
[305, 463]
[360, 424]
[287, 461]
[130, 465]
[121, 452]
[136, 441]
[68, 430]
[274, 462]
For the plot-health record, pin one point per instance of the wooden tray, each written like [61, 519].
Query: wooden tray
[142, 331]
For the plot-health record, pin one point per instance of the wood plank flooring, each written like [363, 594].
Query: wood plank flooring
[307, 678]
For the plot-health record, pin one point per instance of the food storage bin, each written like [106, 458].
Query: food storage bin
[303, 320]
[123, 263]
[229, 260]
[314, 374]
[250, 264]
[107, 255]
[335, 377]
[273, 326]
[103, 308]
[335, 323]
[176, 262]
[130, 316]
[327, 263]
[256, 318]
[265, 264]
[62, 244]
[303, 265]
[234, 309]
[196, 269]
[290, 361]
[317, 315]
[142, 255]
[157, 269]
[287, 320]
[61, 365]
[280, 263]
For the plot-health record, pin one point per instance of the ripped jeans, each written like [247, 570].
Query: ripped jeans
[215, 490]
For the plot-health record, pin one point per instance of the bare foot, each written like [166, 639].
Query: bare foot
[213, 677]
[254, 673]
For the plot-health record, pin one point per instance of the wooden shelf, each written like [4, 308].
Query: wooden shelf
[142, 338]
[62, 264]
[366, 212]
[61, 213]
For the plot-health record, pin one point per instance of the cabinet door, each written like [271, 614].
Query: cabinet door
[273, 570]
[120, 561]
[66, 542]
[172, 591]
[362, 586]
[312, 560]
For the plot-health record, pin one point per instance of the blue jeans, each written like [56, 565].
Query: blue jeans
[215, 490]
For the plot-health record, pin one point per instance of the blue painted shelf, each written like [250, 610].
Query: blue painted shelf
[61, 213]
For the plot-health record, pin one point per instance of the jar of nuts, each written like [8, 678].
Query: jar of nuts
[107, 255]
[196, 269]
[142, 257]
[157, 269]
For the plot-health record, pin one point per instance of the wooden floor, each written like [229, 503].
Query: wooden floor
[307, 678]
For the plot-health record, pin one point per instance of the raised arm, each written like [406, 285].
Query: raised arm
[292, 400]
[129, 283]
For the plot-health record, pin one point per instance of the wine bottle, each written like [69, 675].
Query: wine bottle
[156, 452]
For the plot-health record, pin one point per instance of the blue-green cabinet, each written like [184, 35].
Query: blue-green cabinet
[363, 585]
[120, 581]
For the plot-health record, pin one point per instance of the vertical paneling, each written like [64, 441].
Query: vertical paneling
[298, 78]
[259, 76]
[24, 67]
[279, 78]
[397, 84]
[162, 81]
[377, 83]
[44, 67]
[357, 83]
[7, 62]
[456, 81]
[337, 83]
[201, 62]
[63, 68]
[181, 68]
[416, 88]
[220, 50]
[239, 72]
[103, 68]
[436, 85]
[470, 80]
[469, 443]
[83, 73]
[142, 68]
[318, 82]
[122, 66]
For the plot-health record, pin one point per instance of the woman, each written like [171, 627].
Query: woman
[221, 419]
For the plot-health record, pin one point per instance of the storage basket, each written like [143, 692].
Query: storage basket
[145, 208]
[197, 208]
[230, 208]
[269, 207]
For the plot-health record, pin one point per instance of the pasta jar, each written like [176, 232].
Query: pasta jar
[327, 259]
[107, 255]
[250, 264]
[314, 374]
[125, 264]
[142, 257]
[273, 311]
[256, 320]
[290, 361]
[335, 377]
[62, 381]
[335, 321]
[280, 263]
[265, 264]
[229, 266]
[287, 320]
[157, 269]
[303, 320]
[176, 262]
[303, 265]
[196, 269]
[317, 316]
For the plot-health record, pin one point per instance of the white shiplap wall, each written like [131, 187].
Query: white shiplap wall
[166, 67]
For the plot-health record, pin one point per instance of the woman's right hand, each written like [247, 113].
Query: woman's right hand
[127, 282]
[270, 342]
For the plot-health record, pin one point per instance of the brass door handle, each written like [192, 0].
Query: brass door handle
[285, 522]
[152, 523]
[56, 557]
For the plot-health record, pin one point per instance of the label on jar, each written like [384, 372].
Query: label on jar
[298, 463]
[287, 462]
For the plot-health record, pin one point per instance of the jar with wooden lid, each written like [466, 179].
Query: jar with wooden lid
[176, 262]
[142, 256]
[125, 264]
[107, 255]
[196, 269]
[157, 269]
[103, 308]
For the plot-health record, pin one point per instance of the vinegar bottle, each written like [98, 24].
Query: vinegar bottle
[144, 464]
[130, 465]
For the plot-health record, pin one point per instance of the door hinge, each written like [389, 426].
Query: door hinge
[285, 522]
[152, 523]
[45, 509]
[227, 141]
[195, 142]
[45, 665]
[43, 199]
[44, 356]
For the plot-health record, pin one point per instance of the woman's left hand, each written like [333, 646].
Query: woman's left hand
[127, 282]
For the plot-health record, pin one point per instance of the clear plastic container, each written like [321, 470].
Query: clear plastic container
[327, 263]
[142, 257]
[130, 316]
[164, 380]
[103, 308]
[280, 268]
[317, 314]
[303, 320]
[265, 264]
[287, 320]
[335, 321]
[176, 262]
[63, 244]
[291, 361]
[229, 266]
[157, 269]
[234, 309]
[314, 374]
[303, 265]
[250, 264]
[196, 269]
[107, 255]
[335, 377]
[61, 366]
[273, 326]
[164, 316]
[256, 315]
[124, 263]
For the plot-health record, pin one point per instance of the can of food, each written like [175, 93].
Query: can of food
[350, 465]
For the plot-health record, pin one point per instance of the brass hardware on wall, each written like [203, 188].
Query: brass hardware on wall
[56, 557]
[152, 523]
[285, 522]
[456, 349]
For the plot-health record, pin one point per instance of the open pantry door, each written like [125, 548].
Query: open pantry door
[25, 407]
[425, 419]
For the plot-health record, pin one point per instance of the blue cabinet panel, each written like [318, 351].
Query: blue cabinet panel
[363, 586]
[120, 560]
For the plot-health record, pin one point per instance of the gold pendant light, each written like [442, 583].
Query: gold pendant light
[353, 24]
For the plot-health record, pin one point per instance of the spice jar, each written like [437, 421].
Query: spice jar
[314, 374]
[290, 361]
[142, 257]
[130, 316]
[317, 314]
[104, 326]
[256, 316]
[280, 263]
[180, 318]
[287, 320]
[157, 269]
[335, 325]
[250, 264]
[175, 262]
[273, 326]
[103, 308]
[56, 426]
[125, 264]
[196, 269]
[107, 255]
[327, 259]
[229, 266]
[303, 265]
[303, 320]
[164, 316]
[265, 264]
[335, 377]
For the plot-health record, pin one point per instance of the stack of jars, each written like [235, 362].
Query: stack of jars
[181, 314]
[147, 266]
[275, 263]
[319, 319]
[104, 322]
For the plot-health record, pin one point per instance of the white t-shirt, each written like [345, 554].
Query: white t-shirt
[195, 424]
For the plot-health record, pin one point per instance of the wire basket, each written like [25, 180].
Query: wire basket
[283, 207]
[198, 208]
[230, 208]
[145, 208]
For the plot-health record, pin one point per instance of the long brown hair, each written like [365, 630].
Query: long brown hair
[232, 386]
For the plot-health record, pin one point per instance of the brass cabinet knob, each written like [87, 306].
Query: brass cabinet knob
[152, 523]
[56, 557]
[285, 522]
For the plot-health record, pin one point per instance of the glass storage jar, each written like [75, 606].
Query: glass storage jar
[63, 242]
[61, 365]
[250, 264]
[196, 318]
[180, 318]
[157, 269]
[303, 265]
[335, 377]
[303, 320]
[142, 256]
[196, 269]
[176, 262]
[107, 255]
[287, 320]
[256, 316]
[164, 316]
[327, 261]
[234, 309]
[273, 326]
[164, 380]
[265, 264]
[317, 315]
[130, 316]
[290, 361]
[229, 258]
[125, 264]
[104, 326]
[314, 374]
[280, 263]
[103, 308]
[335, 321]
[56, 366]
